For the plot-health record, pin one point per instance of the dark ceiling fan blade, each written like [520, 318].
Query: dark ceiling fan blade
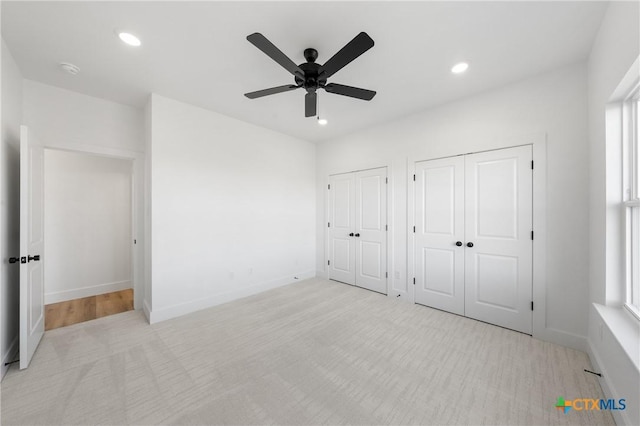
[271, 91]
[356, 47]
[354, 92]
[310, 101]
[261, 42]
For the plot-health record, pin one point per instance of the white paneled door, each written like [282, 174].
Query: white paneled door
[342, 226]
[499, 246]
[358, 229]
[473, 236]
[31, 246]
[439, 234]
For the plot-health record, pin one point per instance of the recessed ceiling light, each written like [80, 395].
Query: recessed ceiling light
[460, 68]
[70, 68]
[322, 121]
[130, 39]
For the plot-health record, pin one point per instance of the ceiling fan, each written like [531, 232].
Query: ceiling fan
[312, 76]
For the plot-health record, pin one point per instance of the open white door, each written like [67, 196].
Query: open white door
[31, 246]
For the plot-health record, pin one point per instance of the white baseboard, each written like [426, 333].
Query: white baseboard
[9, 356]
[608, 389]
[562, 338]
[162, 314]
[147, 311]
[77, 293]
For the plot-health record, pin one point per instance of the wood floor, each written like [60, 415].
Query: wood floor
[311, 353]
[75, 311]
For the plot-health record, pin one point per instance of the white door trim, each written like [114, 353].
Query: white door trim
[538, 142]
[137, 205]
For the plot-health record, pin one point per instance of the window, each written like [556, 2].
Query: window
[632, 200]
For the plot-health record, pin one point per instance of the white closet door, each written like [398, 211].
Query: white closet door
[342, 218]
[439, 222]
[370, 231]
[498, 225]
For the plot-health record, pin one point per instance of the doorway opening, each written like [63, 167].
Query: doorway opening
[88, 230]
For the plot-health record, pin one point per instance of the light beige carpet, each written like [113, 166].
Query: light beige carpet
[315, 352]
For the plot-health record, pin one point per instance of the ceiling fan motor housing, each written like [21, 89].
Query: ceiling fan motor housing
[312, 80]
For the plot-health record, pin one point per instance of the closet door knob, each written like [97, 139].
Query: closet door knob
[357, 235]
[469, 244]
[459, 243]
[351, 234]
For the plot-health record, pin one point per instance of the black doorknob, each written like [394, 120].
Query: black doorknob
[35, 258]
[351, 234]
[469, 244]
[459, 243]
[14, 259]
[357, 235]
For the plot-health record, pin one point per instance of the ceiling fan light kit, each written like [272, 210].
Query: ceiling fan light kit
[312, 76]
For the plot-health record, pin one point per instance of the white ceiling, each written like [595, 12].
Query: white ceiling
[197, 52]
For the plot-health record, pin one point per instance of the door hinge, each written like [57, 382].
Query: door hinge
[328, 224]
[531, 164]
[414, 229]
[532, 305]
[386, 275]
[386, 180]
[386, 227]
[329, 186]
[328, 262]
[414, 178]
[135, 241]
[532, 235]
[414, 280]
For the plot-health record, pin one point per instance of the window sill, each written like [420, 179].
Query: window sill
[625, 328]
[633, 311]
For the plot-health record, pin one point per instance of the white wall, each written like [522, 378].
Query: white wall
[232, 208]
[72, 121]
[87, 225]
[9, 206]
[554, 103]
[613, 343]
[60, 116]
[614, 50]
